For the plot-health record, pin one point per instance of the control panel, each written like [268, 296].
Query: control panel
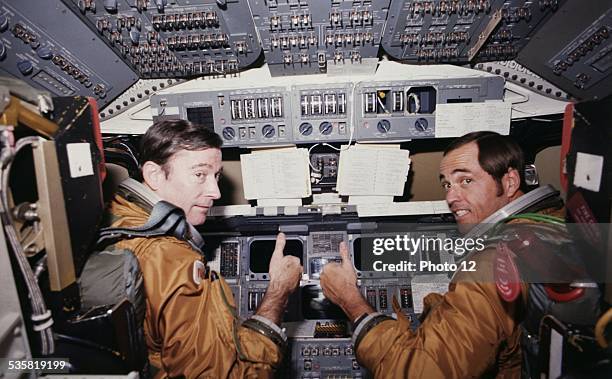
[279, 111]
[304, 37]
[324, 358]
[400, 110]
[99, 48]
[518, 74]
[574, 50]
[319, 332]
[46, 50]
[324, 113]
[462, 31]
[324, 171]
[174, 38]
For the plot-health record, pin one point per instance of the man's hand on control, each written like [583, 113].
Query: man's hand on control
[339, 283]
[285, 273]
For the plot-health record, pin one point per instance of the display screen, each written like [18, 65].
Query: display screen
[316, 306]
[201, 116]
[357, 245]
[260, 253]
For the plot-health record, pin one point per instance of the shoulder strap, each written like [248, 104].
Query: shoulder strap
[165, 219]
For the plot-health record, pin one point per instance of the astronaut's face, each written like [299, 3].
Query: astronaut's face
[471, 193]
[191, 182]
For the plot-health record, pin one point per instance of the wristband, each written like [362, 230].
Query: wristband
[267, 328]
[365, 325]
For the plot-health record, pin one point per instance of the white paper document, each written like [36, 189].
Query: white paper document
[373, 170]
[455, 120]
[276, 174]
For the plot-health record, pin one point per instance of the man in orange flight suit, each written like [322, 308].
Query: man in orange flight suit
[470, 332]
[190, 326]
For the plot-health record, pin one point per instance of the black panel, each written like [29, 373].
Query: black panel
[46, 45]
[82, 195]
[574, 49]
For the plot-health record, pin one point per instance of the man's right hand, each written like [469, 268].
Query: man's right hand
[285, 270]
[285, 273]
[339, 284]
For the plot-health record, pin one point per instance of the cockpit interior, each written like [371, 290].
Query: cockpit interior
[334, 117]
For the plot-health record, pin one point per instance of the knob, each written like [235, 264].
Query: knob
[326, 128]
[4, 23]
[229, 133]
[383, 126]
[25, 67]
[135, 36]
[421, 124]
[305, 129]
[268, 131]
[45, 52]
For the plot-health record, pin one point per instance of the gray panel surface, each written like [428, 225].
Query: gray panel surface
[173, 39]
[303, 37]
[574, 49]
[46, 45]
[445, 31]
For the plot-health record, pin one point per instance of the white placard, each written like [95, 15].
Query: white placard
[79, 159]
[589, 168]
[455, 120]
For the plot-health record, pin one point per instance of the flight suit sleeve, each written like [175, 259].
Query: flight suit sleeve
[459, 338]
[191, 321]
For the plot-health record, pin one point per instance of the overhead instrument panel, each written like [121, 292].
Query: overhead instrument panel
[304, 37]
[282, 111]
[574, 49]
[462, 31]
[42, 44]
[175, 39]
